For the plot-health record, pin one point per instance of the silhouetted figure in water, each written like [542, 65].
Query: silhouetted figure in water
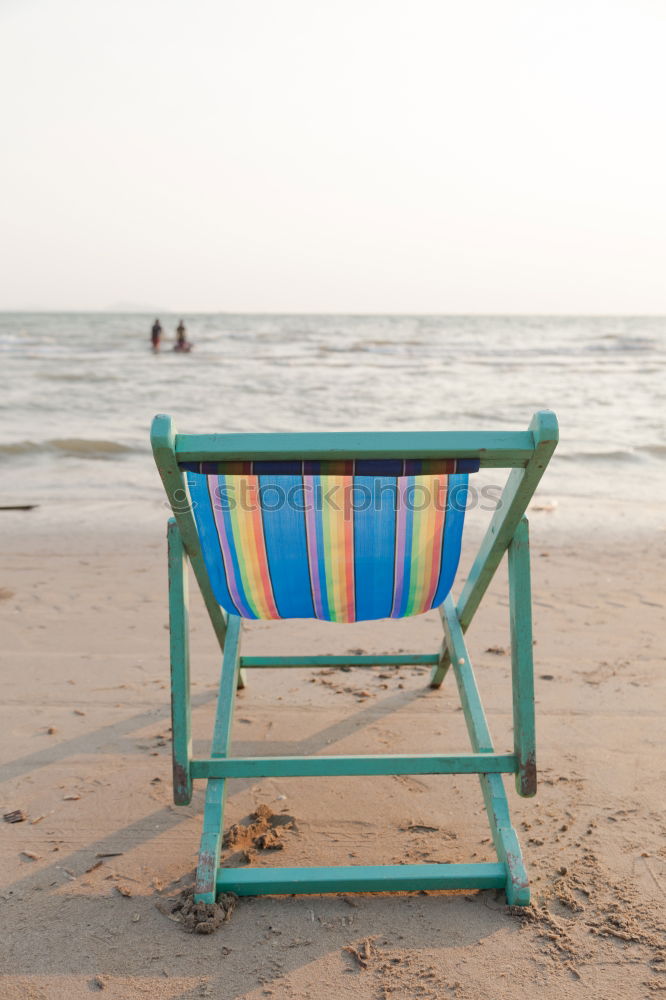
[156, 335]
[182, 343]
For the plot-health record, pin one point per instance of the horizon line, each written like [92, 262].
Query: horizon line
[299, 312]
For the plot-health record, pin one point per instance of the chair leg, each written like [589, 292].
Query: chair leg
[209, 849]
[504, 836]
[181, 747]
[209, 854]
[522, 666]
[505, 839]
[441, 668]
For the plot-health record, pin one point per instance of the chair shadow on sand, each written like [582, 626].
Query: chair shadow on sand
[86, 930]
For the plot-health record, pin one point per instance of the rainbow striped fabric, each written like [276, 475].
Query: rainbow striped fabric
[340, 542]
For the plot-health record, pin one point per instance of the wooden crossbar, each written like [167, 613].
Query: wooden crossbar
[353, 765]
[360, 878]
[358, 660]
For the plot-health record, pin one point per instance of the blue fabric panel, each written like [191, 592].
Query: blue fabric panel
[286, 547]
[210, 542]
[374, 545]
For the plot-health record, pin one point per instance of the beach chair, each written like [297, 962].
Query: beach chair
[348, 527]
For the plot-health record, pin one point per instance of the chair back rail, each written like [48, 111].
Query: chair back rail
[494, 449]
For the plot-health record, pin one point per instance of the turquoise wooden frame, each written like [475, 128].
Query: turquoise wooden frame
[527, 454]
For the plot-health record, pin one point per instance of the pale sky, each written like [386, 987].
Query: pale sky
[425, 156]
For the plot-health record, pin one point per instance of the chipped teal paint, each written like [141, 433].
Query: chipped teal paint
[181, 747]
[360, 878]
[492, 786]
[517, 494]
[495, 449]
[209, 851]
[352, 765]
[358, 660]
[522, 667]
[163, 441]
[527, 454]
[469, 693]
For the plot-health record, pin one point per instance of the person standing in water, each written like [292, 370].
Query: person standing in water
[156, 335]
[181, 337]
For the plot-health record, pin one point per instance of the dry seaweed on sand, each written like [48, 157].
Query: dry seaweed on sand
[363, 953]
[15, 816]
[264, 832]
[198, 918]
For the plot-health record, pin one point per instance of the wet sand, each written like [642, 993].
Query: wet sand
[90, 874]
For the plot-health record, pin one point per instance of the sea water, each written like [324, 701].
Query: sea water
[79, 391]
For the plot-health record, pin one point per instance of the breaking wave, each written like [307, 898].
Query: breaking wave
[74, 447]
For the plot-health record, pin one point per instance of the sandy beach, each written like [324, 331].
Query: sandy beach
[91, 871]
[315, 224]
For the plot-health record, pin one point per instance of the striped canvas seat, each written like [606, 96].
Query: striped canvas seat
[338, 541]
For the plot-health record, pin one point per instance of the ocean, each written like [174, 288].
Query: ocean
[79, 391]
